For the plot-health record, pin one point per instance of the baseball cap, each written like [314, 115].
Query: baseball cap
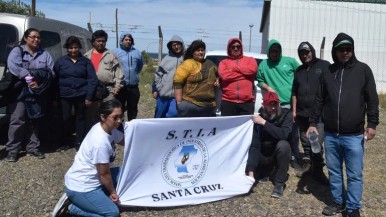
[304, 46]
[270, 97]
[345, 41]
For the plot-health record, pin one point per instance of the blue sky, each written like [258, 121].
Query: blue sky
[213, 21]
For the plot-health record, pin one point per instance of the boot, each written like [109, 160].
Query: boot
[295, 163]
[306, 168]
[318, 174]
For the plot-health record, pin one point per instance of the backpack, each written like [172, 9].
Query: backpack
[10, 85]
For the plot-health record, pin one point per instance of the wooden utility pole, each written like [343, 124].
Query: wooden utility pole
[161, 39]
[33, 7]
[116, 27]
[240, 36]
[89, 23]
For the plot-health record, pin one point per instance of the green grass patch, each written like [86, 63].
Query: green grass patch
[146, 104]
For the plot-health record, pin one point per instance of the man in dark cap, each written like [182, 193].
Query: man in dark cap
[270, 151]
[304, 89]
[346, 93]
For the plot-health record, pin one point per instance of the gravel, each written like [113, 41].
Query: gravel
[31, 187]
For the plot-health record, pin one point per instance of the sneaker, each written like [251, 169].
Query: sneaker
[333, 209]
[61, 206]
[37, 154]
[306, 168]
[11, 157]
[277, 191]
[354, 213]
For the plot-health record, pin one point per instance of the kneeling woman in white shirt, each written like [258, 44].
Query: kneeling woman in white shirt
[90, 181]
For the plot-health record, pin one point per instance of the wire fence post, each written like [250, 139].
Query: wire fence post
[160, 44]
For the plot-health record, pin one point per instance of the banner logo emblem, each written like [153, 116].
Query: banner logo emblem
[185, 164]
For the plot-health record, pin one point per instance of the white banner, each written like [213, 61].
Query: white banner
[183, 161]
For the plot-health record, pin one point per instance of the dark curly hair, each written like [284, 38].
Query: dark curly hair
[195, 45]
[98, 34]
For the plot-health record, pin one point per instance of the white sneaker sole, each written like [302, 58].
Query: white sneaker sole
[59, 205]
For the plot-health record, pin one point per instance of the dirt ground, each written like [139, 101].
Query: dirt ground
[31, 187]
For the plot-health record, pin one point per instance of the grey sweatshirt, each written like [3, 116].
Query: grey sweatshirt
[165, 72]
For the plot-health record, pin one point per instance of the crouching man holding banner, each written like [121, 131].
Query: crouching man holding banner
[270, 151]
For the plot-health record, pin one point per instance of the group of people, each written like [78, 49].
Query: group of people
[73, 82]
[331, 100]
[328, 99]
[98, 86]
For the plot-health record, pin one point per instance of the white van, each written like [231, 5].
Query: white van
[54, 34]
[216, 56]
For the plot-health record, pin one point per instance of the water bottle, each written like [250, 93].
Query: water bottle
[29, 79]
[314, 141]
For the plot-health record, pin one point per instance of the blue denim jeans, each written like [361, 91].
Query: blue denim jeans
[94, 203]
[166, 108]
[348, 149]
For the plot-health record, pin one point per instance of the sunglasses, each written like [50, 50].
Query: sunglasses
[236, 46]
[344, 49]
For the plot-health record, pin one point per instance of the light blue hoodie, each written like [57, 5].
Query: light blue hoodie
[130, 60]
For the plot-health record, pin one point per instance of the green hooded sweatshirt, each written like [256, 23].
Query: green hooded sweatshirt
[278, 75]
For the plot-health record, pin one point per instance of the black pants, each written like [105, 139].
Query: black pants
[265, 159]
[129, 97]
[231, 108]
[303, 124]
[277, 163]
[80, 119]
[254, 150]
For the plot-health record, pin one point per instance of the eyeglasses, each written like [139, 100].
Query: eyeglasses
[34, 37]
[117, 117]
[344, 49]
[236, 46]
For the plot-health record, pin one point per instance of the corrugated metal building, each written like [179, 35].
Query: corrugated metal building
[294, 21]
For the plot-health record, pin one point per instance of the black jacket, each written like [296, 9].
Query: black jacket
[306, 83]
[275, 130]
[347, 91]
